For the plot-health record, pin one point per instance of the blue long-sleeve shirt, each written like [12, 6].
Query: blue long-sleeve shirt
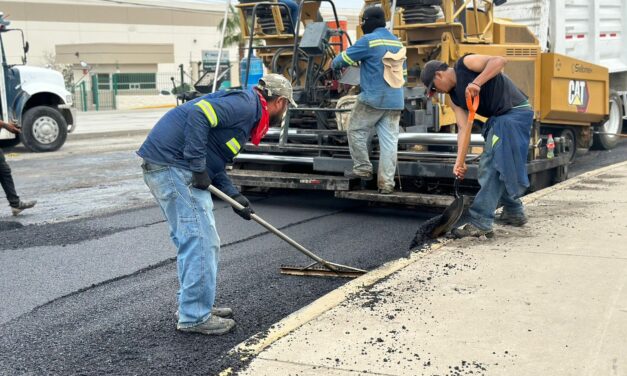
[369, 50]
[204, 134]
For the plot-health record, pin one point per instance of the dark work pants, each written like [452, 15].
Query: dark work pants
[6, 180]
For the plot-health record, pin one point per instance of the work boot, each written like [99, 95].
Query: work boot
[353, 175]
[386, 191]
[215, 311]
[517, 220]
[214, 326]
[471, 230]
[22, 206]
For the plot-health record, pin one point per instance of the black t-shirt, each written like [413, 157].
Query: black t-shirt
[497, 96]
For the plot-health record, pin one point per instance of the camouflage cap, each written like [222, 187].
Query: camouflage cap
[277, 85]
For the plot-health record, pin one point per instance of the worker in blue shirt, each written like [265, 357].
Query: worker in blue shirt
[185, 152]
[379, 105]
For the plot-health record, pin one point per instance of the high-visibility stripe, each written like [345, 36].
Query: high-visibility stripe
[347, 59]
[234, 145]
[210, 113]
[384, 42]
[495, 139]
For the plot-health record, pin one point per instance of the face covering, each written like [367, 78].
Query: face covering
[261, 128]
[373, 18]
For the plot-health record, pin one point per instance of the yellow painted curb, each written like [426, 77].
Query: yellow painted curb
[154, 107]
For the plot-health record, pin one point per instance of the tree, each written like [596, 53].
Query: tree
[233, 34]
[65, 69]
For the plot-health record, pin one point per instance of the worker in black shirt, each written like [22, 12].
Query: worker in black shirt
[503, 165]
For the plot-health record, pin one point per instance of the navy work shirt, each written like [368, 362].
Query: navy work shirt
[204, 134]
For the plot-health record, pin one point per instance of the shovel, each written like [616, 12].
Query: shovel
[320, 268]
[454, 211]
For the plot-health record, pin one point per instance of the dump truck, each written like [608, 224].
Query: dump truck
[35, 99]
[593, 31]
[310, 149]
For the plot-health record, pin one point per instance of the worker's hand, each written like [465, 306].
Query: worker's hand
[12, 127]
[247, 210]
[472, 90]
[460, 170]
[201, 180]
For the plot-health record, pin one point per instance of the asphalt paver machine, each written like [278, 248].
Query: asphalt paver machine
[310, 149]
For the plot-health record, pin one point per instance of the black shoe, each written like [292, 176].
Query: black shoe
[470, 230]
[22, 206]
[353, 175]
[512, 220]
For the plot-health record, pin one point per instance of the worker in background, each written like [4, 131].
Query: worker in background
[185, 152]
[6, 179]
[503, 165]
[293, 7]
[380, 102]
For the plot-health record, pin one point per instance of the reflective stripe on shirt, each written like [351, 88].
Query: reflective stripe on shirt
[234, 145]
[210, 113]
[384, 42]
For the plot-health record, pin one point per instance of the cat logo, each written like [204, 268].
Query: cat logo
[578, 95]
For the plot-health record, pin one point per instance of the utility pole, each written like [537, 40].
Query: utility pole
[226, 15]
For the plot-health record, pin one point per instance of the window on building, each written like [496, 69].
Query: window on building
[104, 82]
[136, 81]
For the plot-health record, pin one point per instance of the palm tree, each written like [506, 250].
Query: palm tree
[232, 33]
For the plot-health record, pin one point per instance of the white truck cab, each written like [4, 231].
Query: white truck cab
[36, 99]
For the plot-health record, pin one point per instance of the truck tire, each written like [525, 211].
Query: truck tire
[43, 129]
[614, 125]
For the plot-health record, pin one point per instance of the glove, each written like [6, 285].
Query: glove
[247, 210]
[201, 180]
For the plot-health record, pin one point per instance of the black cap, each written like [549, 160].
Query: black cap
[428, 74]
[374, 12]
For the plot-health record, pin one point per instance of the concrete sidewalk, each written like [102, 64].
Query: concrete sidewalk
[545, 299]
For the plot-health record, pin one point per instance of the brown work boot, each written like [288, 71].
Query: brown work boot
[23, 205]
[471, 230]
[223, 312]
[351, 174]
[214, 326]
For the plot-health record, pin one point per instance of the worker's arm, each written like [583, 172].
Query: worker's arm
[199, 121]
[352, 55]
[487, 67]
[223, 183]
[463, 140]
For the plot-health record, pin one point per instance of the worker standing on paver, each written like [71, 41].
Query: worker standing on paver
[6, 178]
[380, 102]
[503, 165]
[186, 151]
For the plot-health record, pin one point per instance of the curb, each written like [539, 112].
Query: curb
[259, 342]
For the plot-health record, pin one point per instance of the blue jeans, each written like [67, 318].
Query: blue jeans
[492, 191]
[189, 212]
[363, 122]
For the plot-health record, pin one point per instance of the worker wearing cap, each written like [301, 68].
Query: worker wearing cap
[185, 152]
[503, 165]
[379, 105]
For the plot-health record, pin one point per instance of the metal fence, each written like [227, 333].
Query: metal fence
[112, 91]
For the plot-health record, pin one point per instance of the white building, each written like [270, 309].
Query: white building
[138, 44]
